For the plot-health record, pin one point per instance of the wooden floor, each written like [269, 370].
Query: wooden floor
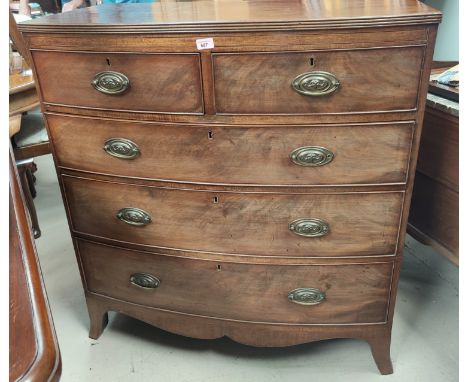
[424, 345]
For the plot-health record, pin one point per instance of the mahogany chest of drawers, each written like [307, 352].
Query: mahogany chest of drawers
[239, 169]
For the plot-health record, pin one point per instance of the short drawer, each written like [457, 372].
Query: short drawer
[341, 81]
[165, 83]
[266, 224]
[266, 155]
[293, 294]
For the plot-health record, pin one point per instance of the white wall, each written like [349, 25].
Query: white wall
[446, 48]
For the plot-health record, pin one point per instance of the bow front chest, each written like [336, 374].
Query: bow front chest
[239, 168]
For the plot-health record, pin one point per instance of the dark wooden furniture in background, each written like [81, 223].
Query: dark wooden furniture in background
[23, 95]
[34, 351]
[445, 91]
[28, 132]
[433, 216]
[258, 189]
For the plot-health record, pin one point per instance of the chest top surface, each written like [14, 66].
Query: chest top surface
[233, 15]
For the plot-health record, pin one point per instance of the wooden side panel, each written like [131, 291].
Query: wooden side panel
[34, 353]
[363, 154]
[434, 211]
[23, 344]
[158, 82]
[243, 223]
[371, 80]
[438, 152]
[354, 293]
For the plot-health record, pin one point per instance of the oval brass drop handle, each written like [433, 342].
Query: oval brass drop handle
[111, 83]
[311, 156]
[309, 227]
[144, 280]
[306, 296]
[121, 148]
[134, 216]
[316, 83]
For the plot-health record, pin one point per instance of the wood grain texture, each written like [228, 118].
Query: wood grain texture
[240, 41]
[248, 188]
[242, 259]
[34, 353]
[32, 151]
[23, 101]
[158, 82]
[199, 221]
[14, 124]
[370, 80]
[210, 15]
[258, 119]
[262, 335]
[249, 333]
[354, 293]
[434, 211]
[438, 153]
[363, 154]
[252, 224]
[23, 346]
[19, 82]
[434, 214]
[380, 347]
[431, 33]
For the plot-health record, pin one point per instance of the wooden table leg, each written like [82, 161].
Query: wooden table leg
[24, 170]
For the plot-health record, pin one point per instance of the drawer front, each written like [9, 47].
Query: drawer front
[346, 81]
[242, 223]
[314, 294]
[273, 155]
[166, 83]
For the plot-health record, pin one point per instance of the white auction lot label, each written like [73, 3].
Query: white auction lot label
[205, 43]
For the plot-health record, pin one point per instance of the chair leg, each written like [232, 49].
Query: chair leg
[24, 178]
[31, 180]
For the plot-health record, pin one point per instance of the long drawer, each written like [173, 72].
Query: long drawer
[165, 83]
[340, 81]
[315, 294]
[273, 155]
[269, 224]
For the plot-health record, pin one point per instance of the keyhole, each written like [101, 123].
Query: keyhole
[218, 267]
[215, 200]
[210, 134]
[312, 61]
[108, 61]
